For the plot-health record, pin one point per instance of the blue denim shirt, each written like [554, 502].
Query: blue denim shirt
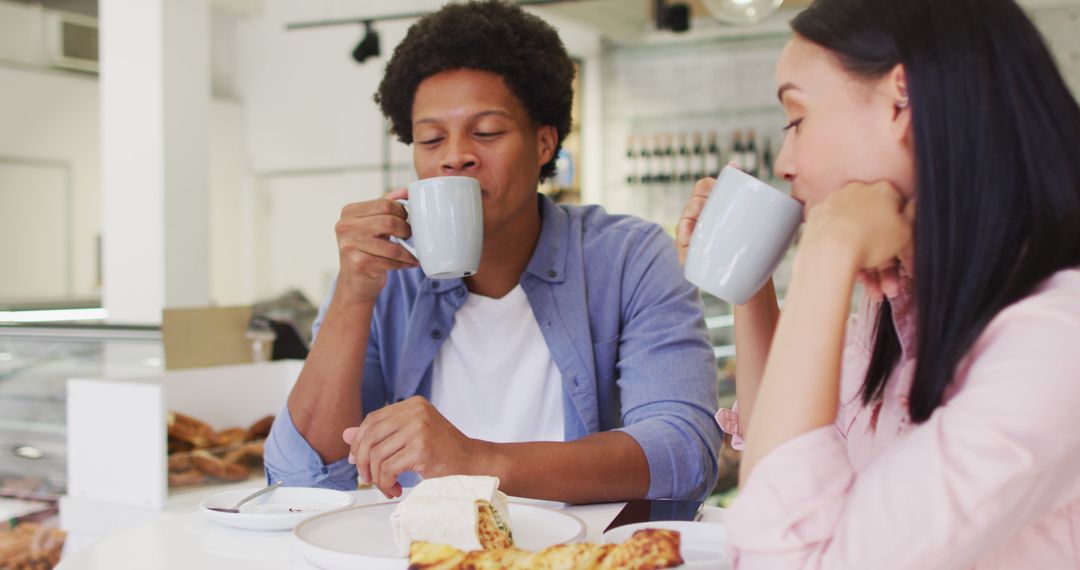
[624, 328]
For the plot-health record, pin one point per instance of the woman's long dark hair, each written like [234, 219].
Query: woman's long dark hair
[997, 150]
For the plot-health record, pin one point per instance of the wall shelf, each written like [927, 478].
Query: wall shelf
[704, 114]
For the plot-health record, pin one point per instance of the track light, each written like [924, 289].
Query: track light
[369, 46]
[674, 17]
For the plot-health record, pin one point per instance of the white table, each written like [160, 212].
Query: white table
[190, 540]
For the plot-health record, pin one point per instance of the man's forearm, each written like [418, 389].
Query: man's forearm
[326, 397]
[608, 466]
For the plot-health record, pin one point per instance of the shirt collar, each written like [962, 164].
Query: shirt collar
[548, 261]
[903, 312]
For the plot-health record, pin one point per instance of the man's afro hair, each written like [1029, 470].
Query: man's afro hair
[492, 36]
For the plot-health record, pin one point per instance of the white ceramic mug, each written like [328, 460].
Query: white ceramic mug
[447, 219]
[741, 236]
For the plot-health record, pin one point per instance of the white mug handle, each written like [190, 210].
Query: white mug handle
[407, 244]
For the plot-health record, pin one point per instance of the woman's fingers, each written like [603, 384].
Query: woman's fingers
[890, 281]
[871, 285]
[690, 214]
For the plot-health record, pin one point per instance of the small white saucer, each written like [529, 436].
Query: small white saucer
[703, 544]
[279, 509]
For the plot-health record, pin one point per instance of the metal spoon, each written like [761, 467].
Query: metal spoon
[236, 508]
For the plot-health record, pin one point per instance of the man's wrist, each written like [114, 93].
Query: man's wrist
[487, 458]
[350, 304]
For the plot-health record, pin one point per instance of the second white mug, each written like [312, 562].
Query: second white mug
[741, 237]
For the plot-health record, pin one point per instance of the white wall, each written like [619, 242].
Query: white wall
[34, 210]
[51, 119]
[53, 116]
[232, 208]
[21, 25]
[49, 116]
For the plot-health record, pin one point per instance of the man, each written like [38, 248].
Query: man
[574, 364]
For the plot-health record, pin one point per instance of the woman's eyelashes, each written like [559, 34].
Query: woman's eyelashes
[793, 125]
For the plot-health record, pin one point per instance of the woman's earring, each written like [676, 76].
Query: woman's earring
[903, 103]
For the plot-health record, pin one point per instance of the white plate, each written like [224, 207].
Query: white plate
[279, 509]
[360, 537]
[704, 545]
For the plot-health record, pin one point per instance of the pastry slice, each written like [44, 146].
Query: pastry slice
[650, 549]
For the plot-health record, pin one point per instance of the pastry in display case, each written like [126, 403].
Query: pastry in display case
[200, 455]
[30, 546]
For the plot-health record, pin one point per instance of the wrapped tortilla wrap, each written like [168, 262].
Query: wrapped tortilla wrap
[466, 512]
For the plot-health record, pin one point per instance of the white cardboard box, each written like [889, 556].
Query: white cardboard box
[117, 428]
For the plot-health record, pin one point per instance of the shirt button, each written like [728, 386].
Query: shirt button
[460, 292]
[552, 273]
[436, 334]
[435, 285]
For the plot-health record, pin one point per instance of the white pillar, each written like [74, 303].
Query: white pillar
[155, 102]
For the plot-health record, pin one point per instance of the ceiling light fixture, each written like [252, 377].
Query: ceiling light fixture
[369, 46]
[741, 11]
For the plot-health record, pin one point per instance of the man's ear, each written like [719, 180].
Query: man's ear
[547, 139]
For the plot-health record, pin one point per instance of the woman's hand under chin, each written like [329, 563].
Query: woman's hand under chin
[872, 224]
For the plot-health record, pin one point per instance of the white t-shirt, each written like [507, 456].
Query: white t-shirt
[493, 377]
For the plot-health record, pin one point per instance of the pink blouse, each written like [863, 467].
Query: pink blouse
[991, 480]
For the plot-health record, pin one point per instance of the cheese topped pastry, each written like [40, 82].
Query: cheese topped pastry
[465, 512]
[648, 549]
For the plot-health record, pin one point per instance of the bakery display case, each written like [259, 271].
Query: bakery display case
[138, 441]
[121, 431]
[35, 364]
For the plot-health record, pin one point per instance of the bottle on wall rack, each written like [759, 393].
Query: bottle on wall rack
[737, 154]
[669, 153]
[684, 171]
[659, 159]
[767, 170]
[750, 155]
[697, 159]
[645, 161]
[631, 161]
[714, 157]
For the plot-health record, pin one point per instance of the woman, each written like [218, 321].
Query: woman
[942, 433]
